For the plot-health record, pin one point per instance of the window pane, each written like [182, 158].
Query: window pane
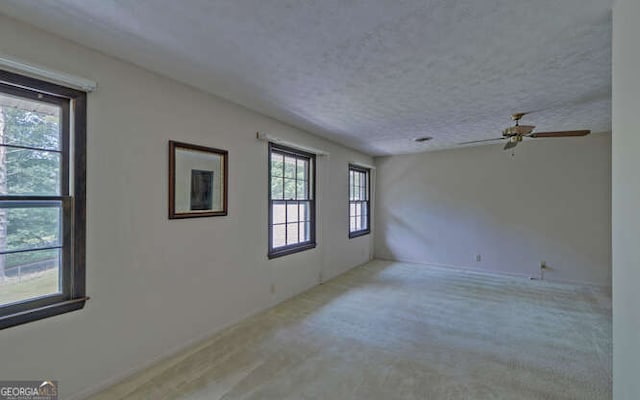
[292, 233]
[29, 172]
[301, 190]
[289, 167]
[305, 231]
[289, 189]
[358, 209]
[29, 227]
[352, 209]
[352, 224]
[279, 235]
[277, 164]
[302, 170]
[310, 189]
[279, 213]
[277, 188]
[363, 221]
[350, 185]
[29, 275]
[357, 193]
[304, 211]
[292, 212]
[30, 123]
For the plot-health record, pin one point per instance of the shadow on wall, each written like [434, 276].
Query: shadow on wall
[550, 202]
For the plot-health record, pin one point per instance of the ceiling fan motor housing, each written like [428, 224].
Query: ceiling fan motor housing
[518, 130]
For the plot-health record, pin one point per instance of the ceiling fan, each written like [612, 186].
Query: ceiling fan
[515, 134]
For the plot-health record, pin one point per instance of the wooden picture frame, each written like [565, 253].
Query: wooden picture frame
[198, 181]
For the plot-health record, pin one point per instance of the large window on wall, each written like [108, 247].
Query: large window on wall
[291, 200]
[42, 199]
[359, 192]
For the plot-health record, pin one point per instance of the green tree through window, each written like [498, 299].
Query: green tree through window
[42, 199]
[28, 172]
[292, 200]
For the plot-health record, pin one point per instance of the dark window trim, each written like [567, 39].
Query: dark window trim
[74, 106]
[361, 232]
[311, 243]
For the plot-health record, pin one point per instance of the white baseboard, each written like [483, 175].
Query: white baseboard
[492, 272]
[456, 267]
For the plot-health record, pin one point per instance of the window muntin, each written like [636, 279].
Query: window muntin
[41, 219]
[359, 191]
[291, 200]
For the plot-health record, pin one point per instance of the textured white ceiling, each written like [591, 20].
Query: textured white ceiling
[371, 74]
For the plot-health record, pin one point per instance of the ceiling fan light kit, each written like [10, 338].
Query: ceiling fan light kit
[515, 139]
[516, 133]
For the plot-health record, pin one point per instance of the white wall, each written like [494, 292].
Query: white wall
[156, 284]
[185, 162]
[550, 202]
[626, 200]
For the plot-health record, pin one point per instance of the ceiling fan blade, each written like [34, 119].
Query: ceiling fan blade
[483, 140]
[510, 145]
[559, 134]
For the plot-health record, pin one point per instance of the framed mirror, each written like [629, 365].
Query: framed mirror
[197, 181]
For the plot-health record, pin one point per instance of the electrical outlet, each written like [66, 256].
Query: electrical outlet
[543, 265]
[478, 258]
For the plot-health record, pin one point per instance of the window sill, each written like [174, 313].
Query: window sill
[291, 250]
[358, 234]
[35, 314]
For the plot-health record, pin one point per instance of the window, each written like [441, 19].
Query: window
[292, 206]
[359, 215]
[42, 199]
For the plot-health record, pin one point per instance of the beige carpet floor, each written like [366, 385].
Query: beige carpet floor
[391, 330]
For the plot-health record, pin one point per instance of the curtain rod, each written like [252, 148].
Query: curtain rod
[268, 138]
[359, 164]
[36, 71]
